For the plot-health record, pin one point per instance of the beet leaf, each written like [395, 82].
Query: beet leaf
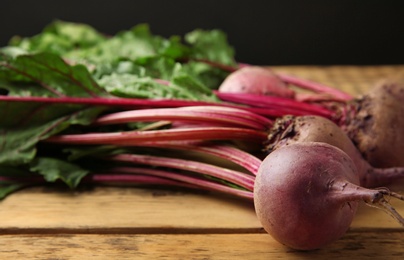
[54, 169]
[23, 124]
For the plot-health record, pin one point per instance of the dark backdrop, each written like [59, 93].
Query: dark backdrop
[267, 32]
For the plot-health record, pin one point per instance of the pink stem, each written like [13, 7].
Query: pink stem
[232, 110]
[179, 178]
[244, 159]
[113, 101]
[227, 152]
[143, 176]
[295, 107]
[133, 179]
[135, 103]
[236, 177]
[133, 137]
[235, 117]
[315, 86]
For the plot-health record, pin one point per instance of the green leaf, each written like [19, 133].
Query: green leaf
[205, 74]
[24, 124]
[135, 44]
[19, 144]
[80, 152]
[210, 45]
[60, 37]
[53, 76]
[54, 169]
[158, 67]
[138, 51]
[185, 80]
[129, 85]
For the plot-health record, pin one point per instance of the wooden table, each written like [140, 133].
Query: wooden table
[152, 223]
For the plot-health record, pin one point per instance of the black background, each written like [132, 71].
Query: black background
[262, 32]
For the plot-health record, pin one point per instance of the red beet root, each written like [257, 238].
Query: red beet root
[255, 80]
[376, 124]
[306, 194]
[289, 130]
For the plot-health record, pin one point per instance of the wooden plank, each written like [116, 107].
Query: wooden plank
[354, 245]
[353, 79]
[125, 209]
[137, 210]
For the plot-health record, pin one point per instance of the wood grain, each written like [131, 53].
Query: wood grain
[352, 79]
[133, 210]
[125, 209]
[354, 245]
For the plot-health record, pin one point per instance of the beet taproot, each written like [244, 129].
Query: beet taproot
[375, 124]
[289, 130]
[306, 194]
[255, 80]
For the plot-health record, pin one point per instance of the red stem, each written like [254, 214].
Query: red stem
[289, 105]
[112, 101]
[315, 86]
[133, 179]
[236, 177]
[192, 182]
[137, 103]
[234, 117]
[133, 137]
[227, 152]
[142, 176]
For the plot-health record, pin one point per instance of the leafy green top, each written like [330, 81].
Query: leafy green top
[75, 60]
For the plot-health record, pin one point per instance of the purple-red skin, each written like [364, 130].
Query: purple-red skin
[304, 194]
[290, 130]
[375, 123]
[256, 80]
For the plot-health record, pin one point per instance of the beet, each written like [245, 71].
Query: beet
[289, 130]
[375, 124]
[306, 194]
[255, 80]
